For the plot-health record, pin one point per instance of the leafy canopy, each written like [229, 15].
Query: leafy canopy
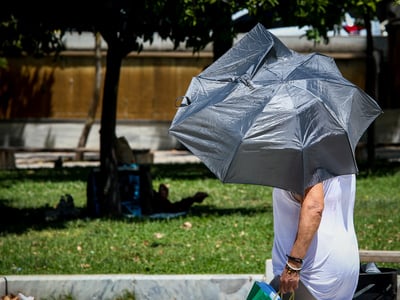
[35, 27]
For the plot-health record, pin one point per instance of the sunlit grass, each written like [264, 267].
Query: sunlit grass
[229, 233]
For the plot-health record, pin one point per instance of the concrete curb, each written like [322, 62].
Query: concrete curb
[160, 287]
[104, 287]
[151, 287]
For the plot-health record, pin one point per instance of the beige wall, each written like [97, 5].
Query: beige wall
[63, 89]
[149, 84]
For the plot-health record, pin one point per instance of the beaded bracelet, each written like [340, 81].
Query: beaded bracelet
[295, 259]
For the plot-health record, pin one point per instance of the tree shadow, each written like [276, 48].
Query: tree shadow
[20, 220]
[44, 174]
[187, 171]
[201, 210]
[380, 167]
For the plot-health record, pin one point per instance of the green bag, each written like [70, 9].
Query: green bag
[262, 291]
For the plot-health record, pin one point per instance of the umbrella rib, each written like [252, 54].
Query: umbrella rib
[310, 56]
[320, 100]
[260, 63]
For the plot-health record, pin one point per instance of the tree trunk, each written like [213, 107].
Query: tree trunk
[222, 31]
[95, 100]
[109, 191]
[370, 88]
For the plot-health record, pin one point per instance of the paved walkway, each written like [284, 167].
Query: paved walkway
[46, 160]
[174, 156]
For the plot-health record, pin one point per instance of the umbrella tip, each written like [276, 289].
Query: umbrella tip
[182, 101]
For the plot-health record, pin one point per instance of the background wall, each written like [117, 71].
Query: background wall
[44, 102]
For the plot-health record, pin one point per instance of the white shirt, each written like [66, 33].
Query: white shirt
[331, 266]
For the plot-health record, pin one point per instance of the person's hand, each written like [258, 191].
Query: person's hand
[199, 197]
[289, 281]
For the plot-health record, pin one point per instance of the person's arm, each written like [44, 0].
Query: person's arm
[312, 206]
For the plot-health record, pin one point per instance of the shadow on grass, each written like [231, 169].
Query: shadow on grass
[18, 221]
[205, 210]
[211, 211]
[45, 174]
[181, 171]
[177, 171]
[199, 210]
[378, 168]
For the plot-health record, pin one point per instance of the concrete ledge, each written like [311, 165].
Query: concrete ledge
[380, 256]
[103, 287]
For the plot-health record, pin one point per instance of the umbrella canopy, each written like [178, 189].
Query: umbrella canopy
[265, 114]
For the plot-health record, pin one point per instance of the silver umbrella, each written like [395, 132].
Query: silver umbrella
[265, 114]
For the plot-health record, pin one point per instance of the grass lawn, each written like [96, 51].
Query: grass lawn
[229, 233]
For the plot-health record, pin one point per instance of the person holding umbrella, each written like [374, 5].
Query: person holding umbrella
[315, 251]
[264, 114]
